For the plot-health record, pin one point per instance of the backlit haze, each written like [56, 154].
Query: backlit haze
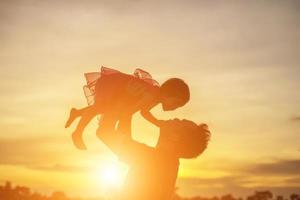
[241, 60]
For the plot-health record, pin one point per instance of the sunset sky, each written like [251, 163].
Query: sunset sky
[241, 60]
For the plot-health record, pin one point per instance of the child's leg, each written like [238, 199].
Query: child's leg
[74, 113]
[87, 114]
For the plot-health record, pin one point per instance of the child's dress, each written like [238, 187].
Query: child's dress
[111, 89]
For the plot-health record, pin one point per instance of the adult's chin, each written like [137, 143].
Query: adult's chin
[166, 109]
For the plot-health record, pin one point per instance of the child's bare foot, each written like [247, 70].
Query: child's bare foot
[77, 140]
[73, 115]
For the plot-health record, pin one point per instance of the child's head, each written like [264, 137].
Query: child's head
[183, 137]
[174, 94]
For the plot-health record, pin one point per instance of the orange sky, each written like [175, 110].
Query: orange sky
[240, 59]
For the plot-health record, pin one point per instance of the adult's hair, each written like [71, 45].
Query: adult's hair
[184, 137]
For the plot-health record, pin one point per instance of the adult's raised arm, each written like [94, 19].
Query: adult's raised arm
[121, 143]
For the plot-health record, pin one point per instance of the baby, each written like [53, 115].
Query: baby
[117, 96]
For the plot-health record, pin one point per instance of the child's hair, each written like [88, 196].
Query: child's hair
[176, 87]
[192, 138]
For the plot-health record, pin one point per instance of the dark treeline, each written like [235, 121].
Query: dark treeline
[259, 195]
[8, 192]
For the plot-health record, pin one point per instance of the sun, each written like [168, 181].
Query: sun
[111, 175]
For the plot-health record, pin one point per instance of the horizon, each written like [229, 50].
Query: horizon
[240, 59]
[13, 187]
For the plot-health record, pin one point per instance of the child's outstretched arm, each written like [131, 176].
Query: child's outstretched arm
[149, 117]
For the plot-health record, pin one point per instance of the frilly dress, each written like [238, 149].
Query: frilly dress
[109, 87]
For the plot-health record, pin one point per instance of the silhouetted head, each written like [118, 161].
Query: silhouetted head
[174, 93]
[183, 137]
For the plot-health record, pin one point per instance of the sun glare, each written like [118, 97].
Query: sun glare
[111, 175]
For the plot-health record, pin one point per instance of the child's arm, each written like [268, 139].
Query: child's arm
[149, 117]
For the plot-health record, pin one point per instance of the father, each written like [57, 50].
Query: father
[153, 171]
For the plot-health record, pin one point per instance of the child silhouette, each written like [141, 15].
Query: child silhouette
[116, 96]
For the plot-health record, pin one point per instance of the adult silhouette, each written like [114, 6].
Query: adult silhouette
[153, 171]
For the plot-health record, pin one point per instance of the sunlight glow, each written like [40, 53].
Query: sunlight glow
[111, 175]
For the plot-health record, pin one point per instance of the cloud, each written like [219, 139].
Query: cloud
[61, 168]
[38, 153]
[193, 186]
[280, 167]
[294, 180]
[232, 185]
[47, 153]
[226, 181]
[279, 176]
[30, 151]
[295, 119]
